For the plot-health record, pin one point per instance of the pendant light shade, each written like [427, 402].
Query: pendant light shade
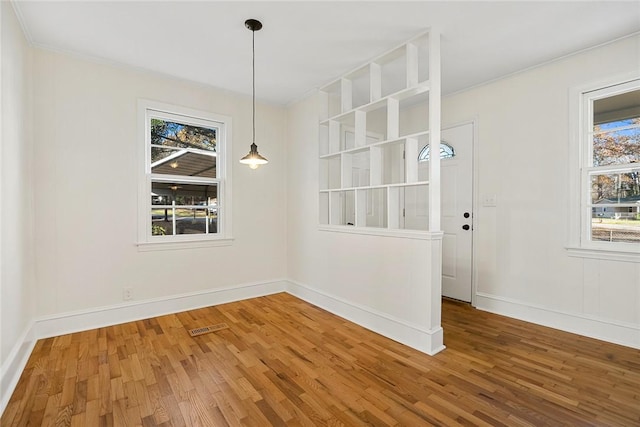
[253, 159]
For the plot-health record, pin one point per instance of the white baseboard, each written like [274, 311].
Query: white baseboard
[15, 364]
[589, 326]
[77, 321]
[427, 341]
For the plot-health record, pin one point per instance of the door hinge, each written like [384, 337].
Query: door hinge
[403, 212]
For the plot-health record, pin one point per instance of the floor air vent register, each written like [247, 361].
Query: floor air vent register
[208, 329]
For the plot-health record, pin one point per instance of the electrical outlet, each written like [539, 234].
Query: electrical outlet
[127, 294]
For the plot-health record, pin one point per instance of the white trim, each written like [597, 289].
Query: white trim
[82, 320]
[14, 364]
[22, 21]
[616, 332]
[186, 244]
[605, 254]
[414, 336]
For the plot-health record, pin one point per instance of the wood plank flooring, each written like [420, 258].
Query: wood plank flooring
[284, 362]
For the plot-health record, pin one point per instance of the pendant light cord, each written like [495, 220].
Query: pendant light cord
[253, 50]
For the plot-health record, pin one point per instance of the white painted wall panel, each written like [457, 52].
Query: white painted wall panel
[86, 189]
[618, 291]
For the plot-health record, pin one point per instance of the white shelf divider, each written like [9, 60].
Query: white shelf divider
[393, 118]
[410, 157]
[360, 121]
[375, 82]
[347, 141]
[346, 95]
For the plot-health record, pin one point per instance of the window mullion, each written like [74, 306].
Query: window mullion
[183, 179]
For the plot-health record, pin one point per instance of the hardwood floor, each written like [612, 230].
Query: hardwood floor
[285, 362]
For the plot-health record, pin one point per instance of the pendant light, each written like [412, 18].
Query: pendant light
[253, 159]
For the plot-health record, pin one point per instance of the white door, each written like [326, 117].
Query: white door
[457, 215]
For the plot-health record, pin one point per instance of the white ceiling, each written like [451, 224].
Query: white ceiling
[304, 45]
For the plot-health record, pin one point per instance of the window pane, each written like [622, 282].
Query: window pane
[194, 221]
[446, 152]
[621, 222]
[610, 229]
[170, 161]
[181, 135]
[166, 193]
[168, 221]
[616, 147]
[162, 222]
[616, 139]
[616, 188]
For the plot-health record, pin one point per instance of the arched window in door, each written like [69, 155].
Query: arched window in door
[446, 152]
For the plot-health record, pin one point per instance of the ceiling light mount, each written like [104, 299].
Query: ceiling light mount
[253, 24]
[253, 159]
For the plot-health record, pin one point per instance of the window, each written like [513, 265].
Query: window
[184, 193]
[446, 152]
[610, 167]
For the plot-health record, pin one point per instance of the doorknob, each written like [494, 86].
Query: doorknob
[466, 215]
[465, 227]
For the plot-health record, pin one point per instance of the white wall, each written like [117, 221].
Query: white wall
[86, 171]
[523, 158]
[17, 306]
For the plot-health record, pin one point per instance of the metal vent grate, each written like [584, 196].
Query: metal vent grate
[207, 329]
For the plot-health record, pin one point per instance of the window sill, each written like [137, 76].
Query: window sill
[604, 254]
[183, 244]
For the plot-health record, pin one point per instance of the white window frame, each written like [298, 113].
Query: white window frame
[581, 169]
[223, 237]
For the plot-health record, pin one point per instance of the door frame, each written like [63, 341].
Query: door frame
[475, 199]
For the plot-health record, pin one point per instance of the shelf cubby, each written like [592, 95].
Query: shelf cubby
[330, 173]
[372, 208]
[393, 71]
[413, 112]
[393, 162]
[376, 123]
[343, 207]
[356, 169]
[421, 46]
[360, 81]
[331, 100]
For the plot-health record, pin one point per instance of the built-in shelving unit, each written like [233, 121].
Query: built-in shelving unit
[373, 123]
